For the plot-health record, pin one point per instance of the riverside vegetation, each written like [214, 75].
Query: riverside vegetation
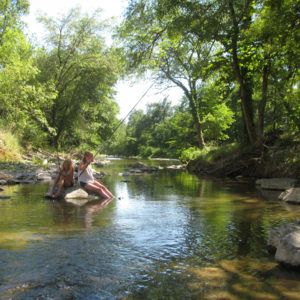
[237, 63]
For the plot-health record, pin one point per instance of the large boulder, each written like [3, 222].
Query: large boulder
[291, 195]
[285, 240]
[276, 183]
[288, 251]
[75, 193]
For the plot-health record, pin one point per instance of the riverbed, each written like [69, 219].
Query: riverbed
[166, 235]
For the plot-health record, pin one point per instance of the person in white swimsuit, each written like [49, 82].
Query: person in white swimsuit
[87, 180]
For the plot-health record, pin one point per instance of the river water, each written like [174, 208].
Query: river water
[168, 235]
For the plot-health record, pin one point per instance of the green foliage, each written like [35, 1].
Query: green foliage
[82, 73]
[210, 153]
[237, 63]
[247, 46]
[164, 131]
[193, 153]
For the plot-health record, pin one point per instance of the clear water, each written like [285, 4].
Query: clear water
[168, 235]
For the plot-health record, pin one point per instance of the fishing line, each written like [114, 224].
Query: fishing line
[121, 122]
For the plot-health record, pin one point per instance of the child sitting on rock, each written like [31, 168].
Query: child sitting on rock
[65, 178]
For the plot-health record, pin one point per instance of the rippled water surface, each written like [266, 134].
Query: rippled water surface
[168, 235]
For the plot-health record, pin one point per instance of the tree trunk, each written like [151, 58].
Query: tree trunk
[244, 83]
[197, 120]
[262, 103]
[246, 103]
[200, 136]
[191, 95]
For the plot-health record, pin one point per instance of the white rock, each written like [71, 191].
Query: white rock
[76, 194]
[288, 251]
[286, 240]
[291, 195]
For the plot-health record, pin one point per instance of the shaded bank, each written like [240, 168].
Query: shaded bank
[276, 161]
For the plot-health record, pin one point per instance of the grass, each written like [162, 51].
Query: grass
[10, 149]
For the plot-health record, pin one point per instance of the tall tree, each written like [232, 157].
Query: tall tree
[169, 48]
[83, 72]
[17, 71]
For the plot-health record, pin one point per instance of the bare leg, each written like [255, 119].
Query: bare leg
[59, 185]
[53, 185]
[98, 189]
[101, 185]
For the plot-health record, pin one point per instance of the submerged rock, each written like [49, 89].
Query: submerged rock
[140, 168]
[285, 240]
[276, 183]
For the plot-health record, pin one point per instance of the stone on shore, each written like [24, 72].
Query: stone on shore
[285, 240]
[291, 195]
[276, 183]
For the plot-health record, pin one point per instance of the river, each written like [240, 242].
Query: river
[167, 235]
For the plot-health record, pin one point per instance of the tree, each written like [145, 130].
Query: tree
[17, 71]
[83, 72]
[175, 53]
[10, 19]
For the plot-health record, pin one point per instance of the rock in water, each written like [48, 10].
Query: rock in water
[75, 193]
[291, 195]
[276, 183]
[285, 239]
[288, 251]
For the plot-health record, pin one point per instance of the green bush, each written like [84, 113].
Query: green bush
[192, 153]
[209, 153]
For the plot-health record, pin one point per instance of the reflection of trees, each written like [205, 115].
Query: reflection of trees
[247, 231]
[162, 183]
[223, 223]
[25, 211]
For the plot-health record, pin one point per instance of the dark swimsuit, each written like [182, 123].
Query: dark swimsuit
[82, 184]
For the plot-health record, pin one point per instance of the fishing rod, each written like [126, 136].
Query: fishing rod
[121, 122]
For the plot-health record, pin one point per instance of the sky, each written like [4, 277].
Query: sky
[129, 91]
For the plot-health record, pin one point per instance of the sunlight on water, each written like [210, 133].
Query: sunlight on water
[166, 235]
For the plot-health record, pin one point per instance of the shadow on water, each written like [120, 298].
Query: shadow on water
[167, 235]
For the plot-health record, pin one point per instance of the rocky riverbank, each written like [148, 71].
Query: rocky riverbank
[37, 166]
[42, 166]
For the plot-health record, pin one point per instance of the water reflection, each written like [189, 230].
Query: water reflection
[92, 209]
[167, 235]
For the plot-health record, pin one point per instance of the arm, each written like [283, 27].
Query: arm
[83, 165]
